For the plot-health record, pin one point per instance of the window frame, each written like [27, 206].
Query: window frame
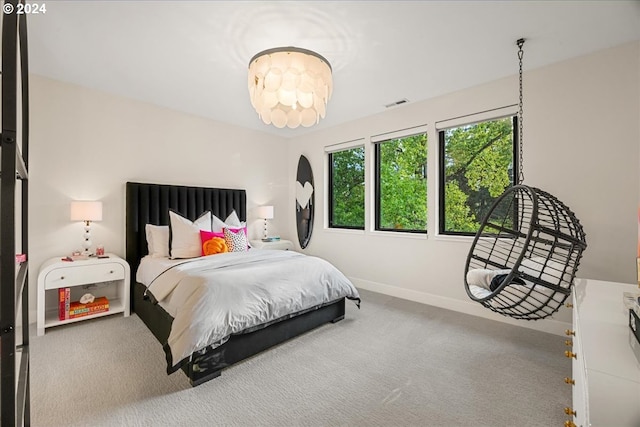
[377, 186]
[441, 171]
[330, 211]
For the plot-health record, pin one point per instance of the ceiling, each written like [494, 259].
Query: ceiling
[192, 56]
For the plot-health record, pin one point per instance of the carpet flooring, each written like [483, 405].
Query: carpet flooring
[391, 363]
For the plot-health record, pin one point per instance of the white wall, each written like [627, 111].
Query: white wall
[581, 143]
[87, 144]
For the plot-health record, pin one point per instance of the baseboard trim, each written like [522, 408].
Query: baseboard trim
[468, 307]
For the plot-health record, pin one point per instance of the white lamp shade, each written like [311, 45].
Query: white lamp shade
[265, 212]
[84, 210]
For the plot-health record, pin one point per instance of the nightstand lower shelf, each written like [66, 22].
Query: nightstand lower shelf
[51, 315]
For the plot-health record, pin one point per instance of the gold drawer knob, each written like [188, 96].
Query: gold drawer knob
[568, 305]
[569, 354]
[569, 381]
[569, 411]
[569, 423]
[569, 332]
[568, 342]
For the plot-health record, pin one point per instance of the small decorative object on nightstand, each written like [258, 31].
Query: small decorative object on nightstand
[107, 278]
[280, 244]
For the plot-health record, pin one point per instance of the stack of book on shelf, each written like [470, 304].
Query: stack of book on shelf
[72, 309]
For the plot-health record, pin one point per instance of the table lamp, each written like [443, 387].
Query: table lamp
[87, 211]
[265, 212]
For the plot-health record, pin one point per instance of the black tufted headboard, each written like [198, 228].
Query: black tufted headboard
[150, 204]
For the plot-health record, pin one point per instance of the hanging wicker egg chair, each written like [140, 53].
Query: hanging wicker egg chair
[525, 255]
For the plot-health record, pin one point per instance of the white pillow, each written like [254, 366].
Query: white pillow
[185, 235]
[157, 240]
[548, 270]
[232, 221]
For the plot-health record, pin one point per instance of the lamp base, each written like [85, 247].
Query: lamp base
[86, 244]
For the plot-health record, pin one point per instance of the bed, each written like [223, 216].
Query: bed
[150, 204]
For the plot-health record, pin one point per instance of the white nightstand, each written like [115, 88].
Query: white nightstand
[108, 277]
[283, 245]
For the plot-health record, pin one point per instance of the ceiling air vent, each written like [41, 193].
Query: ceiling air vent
[395, 104]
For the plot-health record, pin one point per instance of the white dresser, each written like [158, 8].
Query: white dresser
[606, 357]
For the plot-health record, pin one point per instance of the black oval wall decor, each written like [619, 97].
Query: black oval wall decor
[304, 201]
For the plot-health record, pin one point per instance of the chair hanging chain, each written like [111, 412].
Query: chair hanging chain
[520, 42]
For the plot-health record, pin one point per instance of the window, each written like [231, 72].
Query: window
[476, 167]
[346, 188]
[401, 184]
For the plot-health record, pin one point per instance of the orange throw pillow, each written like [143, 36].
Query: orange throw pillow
[215, 245]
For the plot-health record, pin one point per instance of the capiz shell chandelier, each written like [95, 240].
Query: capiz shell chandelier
[290, 86]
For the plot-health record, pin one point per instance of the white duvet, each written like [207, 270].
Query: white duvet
[228, 293]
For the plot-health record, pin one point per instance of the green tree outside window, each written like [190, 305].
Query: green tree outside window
[477, 166]
[346, 189]
[401, 184]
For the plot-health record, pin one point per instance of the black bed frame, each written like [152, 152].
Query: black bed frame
[150, 204]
